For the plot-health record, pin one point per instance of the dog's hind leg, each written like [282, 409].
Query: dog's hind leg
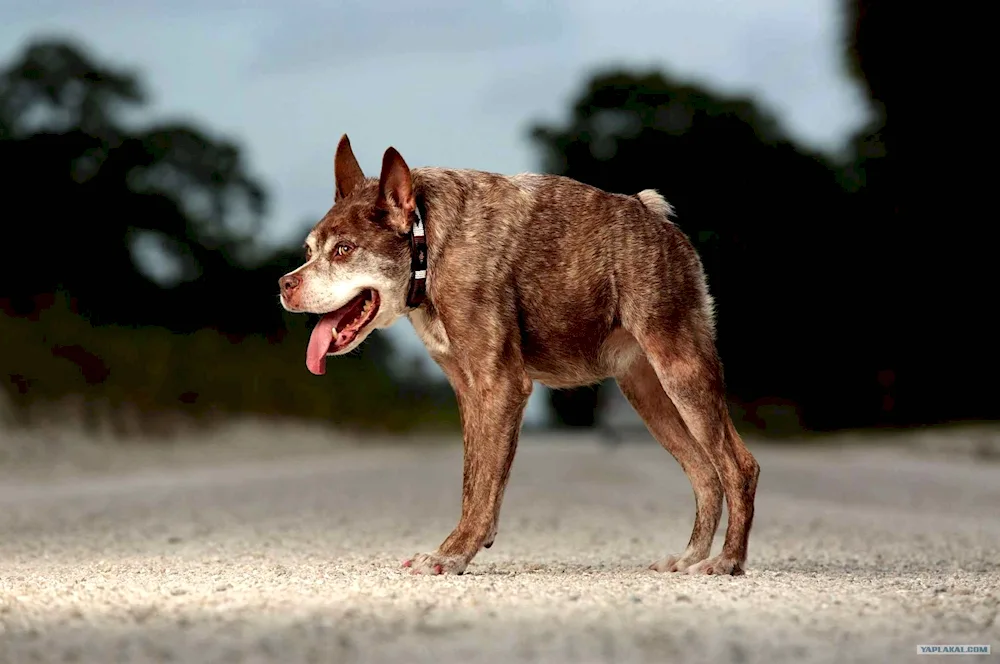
[690, 372]
[642, 388]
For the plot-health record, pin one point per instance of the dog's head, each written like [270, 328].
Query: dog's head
[357, 269]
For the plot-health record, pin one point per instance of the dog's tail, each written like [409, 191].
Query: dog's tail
[654, 201]
[658, 205]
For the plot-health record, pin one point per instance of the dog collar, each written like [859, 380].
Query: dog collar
[418, 263]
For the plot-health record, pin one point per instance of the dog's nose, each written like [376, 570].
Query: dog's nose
[288, 283]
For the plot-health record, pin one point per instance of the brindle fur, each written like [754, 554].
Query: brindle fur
[539, 277]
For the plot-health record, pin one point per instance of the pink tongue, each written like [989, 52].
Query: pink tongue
[319, 343]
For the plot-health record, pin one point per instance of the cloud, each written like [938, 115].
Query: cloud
[786, 54]
[312, 35]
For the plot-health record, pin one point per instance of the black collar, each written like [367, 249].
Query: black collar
[418, 262]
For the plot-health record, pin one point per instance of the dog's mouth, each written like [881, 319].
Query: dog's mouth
[336, 330]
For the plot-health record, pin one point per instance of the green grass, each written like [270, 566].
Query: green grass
[205, 377]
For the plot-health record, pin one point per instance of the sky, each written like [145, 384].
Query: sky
[448, 83]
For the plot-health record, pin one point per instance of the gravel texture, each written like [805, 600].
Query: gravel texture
[859, 553]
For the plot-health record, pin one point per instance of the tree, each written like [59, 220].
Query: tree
[93, 189]
[85, 197]
[915, 188]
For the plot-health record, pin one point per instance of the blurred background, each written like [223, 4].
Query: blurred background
[163, 162]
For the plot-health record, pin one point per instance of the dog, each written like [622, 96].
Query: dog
[513, 279]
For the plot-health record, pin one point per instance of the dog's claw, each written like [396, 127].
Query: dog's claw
[437, 569]
[407, 563]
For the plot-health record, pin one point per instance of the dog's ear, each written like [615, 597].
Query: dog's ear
[346, 171]
[395, 191]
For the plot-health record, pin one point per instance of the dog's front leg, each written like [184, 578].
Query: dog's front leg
[491, 408]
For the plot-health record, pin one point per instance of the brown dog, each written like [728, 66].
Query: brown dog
[522, 278]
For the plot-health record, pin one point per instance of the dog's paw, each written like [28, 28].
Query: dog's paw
[719, 565]
[435, 563]
[676, 563]
[491, 538]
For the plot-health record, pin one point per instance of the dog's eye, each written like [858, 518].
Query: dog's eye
[309, 254]
[343, 249]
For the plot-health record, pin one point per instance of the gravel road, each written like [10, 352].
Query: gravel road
[858, 554]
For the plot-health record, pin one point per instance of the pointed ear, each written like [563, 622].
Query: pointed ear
[395, 191]
[346, 171]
